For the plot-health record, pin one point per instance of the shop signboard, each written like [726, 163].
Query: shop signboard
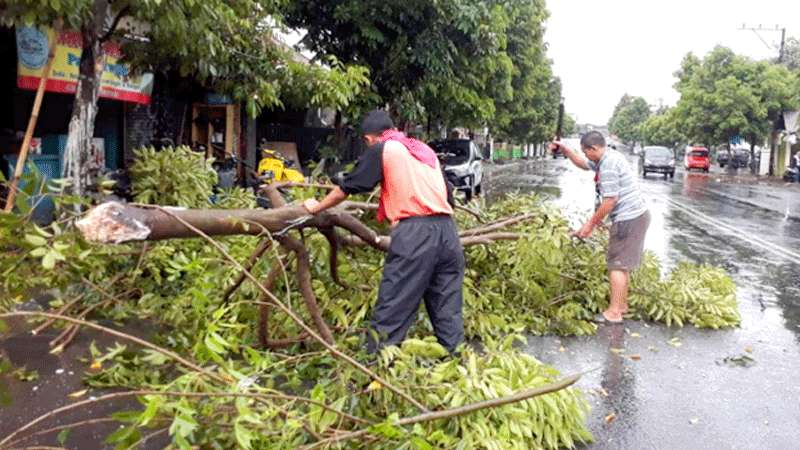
[117, 80]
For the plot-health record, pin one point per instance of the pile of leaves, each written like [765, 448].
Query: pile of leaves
[227, 391]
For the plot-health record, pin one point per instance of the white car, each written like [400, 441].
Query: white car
[463, 164]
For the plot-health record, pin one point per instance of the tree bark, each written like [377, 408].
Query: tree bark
[117, 223]
[84, 109]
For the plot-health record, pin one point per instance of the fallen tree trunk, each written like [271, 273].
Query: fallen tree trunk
[117, 223]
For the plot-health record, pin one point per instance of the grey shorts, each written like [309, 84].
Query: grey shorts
[626, 243]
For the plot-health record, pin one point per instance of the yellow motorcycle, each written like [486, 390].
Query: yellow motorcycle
[274, 167]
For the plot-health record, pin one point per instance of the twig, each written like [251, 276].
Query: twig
[61, 310]
[297, 318]
[121, 335]
[459, 411]
[472, 212]
[147, 437]
[145, 249]
[505, 223]
[63, 427]
[490, 238]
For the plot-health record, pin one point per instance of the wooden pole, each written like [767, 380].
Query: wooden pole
[26, 143]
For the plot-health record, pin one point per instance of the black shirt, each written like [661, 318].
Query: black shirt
[368, 173]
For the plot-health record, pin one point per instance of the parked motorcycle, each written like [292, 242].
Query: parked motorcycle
[792, 174]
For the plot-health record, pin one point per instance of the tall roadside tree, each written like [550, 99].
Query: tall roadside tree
[530, 113]
[224, 44]
[629, 114]
[412, 48]
[452, 62]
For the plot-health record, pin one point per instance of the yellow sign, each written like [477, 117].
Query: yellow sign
[116, 81]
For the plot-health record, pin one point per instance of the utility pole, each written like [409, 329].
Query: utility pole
[781, 50]
[777, 28]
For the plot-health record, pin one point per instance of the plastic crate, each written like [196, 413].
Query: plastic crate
[111, 152]
[54, 144]
[48, 165]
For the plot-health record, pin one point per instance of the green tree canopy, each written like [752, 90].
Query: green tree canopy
[455, 62]
[725, 95]
[227, 45]
[662, 129]
[629, 114]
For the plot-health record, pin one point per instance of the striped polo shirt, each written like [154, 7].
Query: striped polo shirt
[616, 178]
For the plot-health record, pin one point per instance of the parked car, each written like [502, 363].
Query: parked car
[723, 157]
[656, 159]
[741, 158]
[697, 158]
[463, 164]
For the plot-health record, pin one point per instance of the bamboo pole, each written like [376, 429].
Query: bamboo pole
[37, 104]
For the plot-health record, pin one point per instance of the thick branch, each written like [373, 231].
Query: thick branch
[114, 222]
[122, 13]
[304, 281]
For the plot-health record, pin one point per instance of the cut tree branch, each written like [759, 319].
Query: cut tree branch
[459, 411]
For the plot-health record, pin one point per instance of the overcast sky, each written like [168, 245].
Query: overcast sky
[602, 49]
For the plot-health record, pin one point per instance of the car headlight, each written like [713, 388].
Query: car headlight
[671, 163]
[459, 171]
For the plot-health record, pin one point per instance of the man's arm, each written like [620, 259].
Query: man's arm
[367, 174]
[333, 198]
[597, 218]
[573, 156]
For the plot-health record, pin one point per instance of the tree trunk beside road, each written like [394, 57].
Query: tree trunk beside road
[84, 109]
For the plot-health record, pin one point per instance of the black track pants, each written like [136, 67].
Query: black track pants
[425, 261]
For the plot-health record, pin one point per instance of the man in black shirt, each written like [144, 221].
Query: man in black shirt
[425, 258]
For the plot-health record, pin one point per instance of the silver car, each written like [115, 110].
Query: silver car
[463, 164]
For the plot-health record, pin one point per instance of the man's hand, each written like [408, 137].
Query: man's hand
[555, 144]
[311, 205]
[585, 231]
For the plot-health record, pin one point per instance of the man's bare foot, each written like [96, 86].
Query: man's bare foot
[608, 317]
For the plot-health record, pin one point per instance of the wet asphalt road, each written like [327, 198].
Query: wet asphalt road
[688, 396]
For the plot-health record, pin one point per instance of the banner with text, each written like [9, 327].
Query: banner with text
[117, 83]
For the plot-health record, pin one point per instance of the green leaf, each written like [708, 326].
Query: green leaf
[63, 435]
[182, 426]
[35, 240]
[49, 260]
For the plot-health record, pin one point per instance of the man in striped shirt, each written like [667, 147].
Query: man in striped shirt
[622, 202]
